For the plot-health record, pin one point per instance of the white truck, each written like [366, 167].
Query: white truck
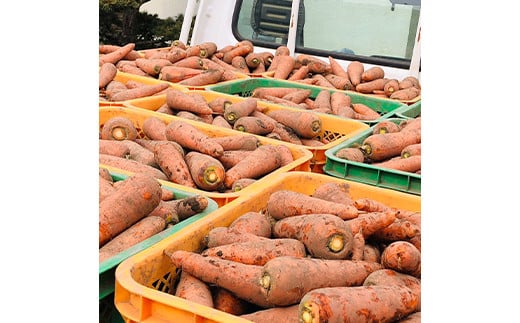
[385, 33]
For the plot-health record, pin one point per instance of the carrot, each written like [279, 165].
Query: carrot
[267, 57]
[225, 301]
[191, 62]
[385, 126]
[286, 134]
[322, 81]
[322, 101]
[371, 86]
[240, 279]
[253, 222]
[391, 277]
[259, 69]
[105, 188]
[237, 142]
[285, 314]
[174, 55]
[263, 91]
[207, 172]
[257, 252]
[136, 233]
[105, 174]
[113, 148]
[402, 256]
[216, 63]
[132, 201]
[285, 155]
[297, 96]
[189, 115]
[354, 70]
[383, 146]
[221, 122]
[305, 123]
[173, 164]
[340, 105]
[282, 50]
[358, 246]
[409, 81]
[411, 164]
[107, 72]
[356, 304]
[284, 66]
[210, 76]
[253, 125]
[365, 112]
[191, 137]
[205, 49]
[340, 82]
[287, 279]
[139, 153]
[152, 66]
[220, 236]
[372, 73]
[176, 74]
[118, 54]
[324, 235]
[167, 195]
[242, 50]
[406, 94]
[371, 253]
[282, 101]
[150, 144]
[311, 142]
[411, 150]
[316, 65]
[337, 69]
[258, 163]
[239, 109]
[193, 290]
[242, 183]
[351, 153]
[231, 157]
[400, 229]
[140, 92]
[178, 44]
[240, 63]
[411, 124]
[179, 100]
[177, 210]
[391, 86]
[132, 69]
[108, 48]
[118, 128]
[372, 222]
[288, 203]
[219, 104]
[154, 128]
[334, 192]
[131, 166]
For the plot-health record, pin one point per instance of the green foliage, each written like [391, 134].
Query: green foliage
[120, 23]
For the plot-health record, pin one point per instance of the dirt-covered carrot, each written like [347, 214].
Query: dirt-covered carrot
[277, 100]
[305, 123]
[257, 252]
[150, 144]
[402, 256]
[173, 164]
[237, 142]
[299, 74]
[288, 203]
[284, 66]
[340, 82]
[285, 314]
[114, 56]
[322, 101]
[193, 289]
[371, 86]
[297, 96]
[131, 166]
[334, 192]
[132, 201]
[406, 94]
[253, 222]
[207, 172]
[380, 303]
[336, 68]
[191, 62]
[232, 157]
[365, 112]
[379, 147]
[324, 235]
[118, 128]
[113, 148]
[371, 253]
[136, 233]
[385, 126]
[140, 92]
[409, 164]
[108, 48]
[263, 91]
[391, 86]
[138, 152]
[132, 69]
[242, 183]
[152, 66]
[210, 76]
[219, 104]
[372, 222]
[322, 81]
[287, 279]
[205, 49]
[240, 279]
[225, 301]
[370, 205]
[239, 62]
[220, 236]
[285, 133]
[239, 109]
[154, 128]
[191, 137]
[242, 50]
[176, 74]
[340, 105]
[107, 72]
[253, 125]
[105, 188]
[286, 155]
[354, 70]
[220, 121]
[409, 81]
[400, 229]
[411, 150]
[177, 210]
[358, 246]
[351, 153]
[372, 73]
[261, 161]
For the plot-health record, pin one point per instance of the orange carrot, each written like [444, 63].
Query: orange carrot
[257, 252]
[242, 50]
[322, 81]
[231, 157]
[132, 69]
[391, 86]
[253, 222]
[282, 50]
[205, 49]
[354, 70]
[242, 183]
[406, 94]
[358, 246]
[410, 164]
[191, 137]
[239, 109]
[177, 210]
[236, 142]
[372, 73]
[371, 86]
[261, 161]
[219, 120]
[207, 172]
[118, 54]
[190, 116]
[252, 125]
[351, 153]
[174, 55]
[409, 81]
[118, 128]
[324, 235]
[240, 279]
[105, 188]
[113, 148]
[220, 236]
[131, 166]
[107, 72]
[176, 74]
[371, 253]
[365, 112]
[340, 82]
[286, 134]
[322, 101]
[193, 289]
[179, 100]
[282, 101]
[370, 205]
[334, 192]
[105, 173]
[305, 123]
[259, 69]
[287, 279]
[285, 155]
[340, 105]
[178, 44]
[400, 229]
[140, 92]
[403, 257]
[385, 126]
[173, 164]
[133, 200]
[337, 69]
[150, 144]
[285, 314]
[316, 65]
[154, 128]
[284, 66]
[210, 76]
[219, 104]
[152, 66]
[240, 63]
[191, 62]
[297, 96]
[108, 48]
[136, 233]
[225, 301]
[383, 146]
[263, 91]
[299, 74]
[411, 150]
[138, 152]
[370, 223]
[267, 58]
[381, 303]
[287, 203]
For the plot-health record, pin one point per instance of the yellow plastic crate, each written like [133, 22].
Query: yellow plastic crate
[301, 156]
[125, 77]
[335, 130]
[143, 281]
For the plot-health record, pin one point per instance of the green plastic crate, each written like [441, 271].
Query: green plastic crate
[245, 87]
[108, 267]
[108, 312]
[366, 173]
[408, 111]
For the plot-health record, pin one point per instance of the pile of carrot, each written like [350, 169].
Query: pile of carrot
[320, 257]
[136, 208]
[393, 145]
[179, 152]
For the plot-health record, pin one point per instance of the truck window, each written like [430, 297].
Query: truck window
[364, 30]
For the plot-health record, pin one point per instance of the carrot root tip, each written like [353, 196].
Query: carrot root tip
[336, 243]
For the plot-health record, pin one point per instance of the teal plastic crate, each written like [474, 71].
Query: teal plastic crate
[108, 267]
[108, 312]
[245, 88]
[366, 173]
[408, 111]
